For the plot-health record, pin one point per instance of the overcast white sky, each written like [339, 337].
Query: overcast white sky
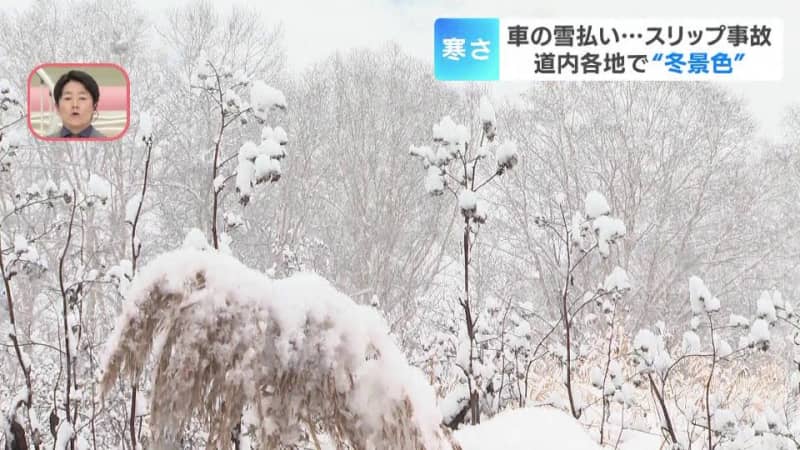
[315, 28]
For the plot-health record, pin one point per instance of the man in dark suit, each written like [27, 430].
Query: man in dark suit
[76, 95]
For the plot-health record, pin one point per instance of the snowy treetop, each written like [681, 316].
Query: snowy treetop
[617, 280]
[596, 205]
[448, 132]
[487, 114]
[264, 97]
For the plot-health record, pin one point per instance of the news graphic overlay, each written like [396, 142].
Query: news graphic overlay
[76, 101]
[467, 49]
[525, 49]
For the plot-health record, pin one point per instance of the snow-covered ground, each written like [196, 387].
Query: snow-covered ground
[537, 428]
[527, 429]
[544, 428]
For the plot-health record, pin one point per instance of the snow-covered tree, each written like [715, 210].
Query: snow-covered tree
[452, 165]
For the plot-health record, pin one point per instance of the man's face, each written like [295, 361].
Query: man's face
[75, 107]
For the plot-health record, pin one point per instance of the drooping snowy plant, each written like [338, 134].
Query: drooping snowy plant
[296, 352]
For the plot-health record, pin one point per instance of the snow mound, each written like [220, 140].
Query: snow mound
[527, 429]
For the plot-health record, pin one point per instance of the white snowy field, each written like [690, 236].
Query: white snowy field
[539, 428]
[527, 429]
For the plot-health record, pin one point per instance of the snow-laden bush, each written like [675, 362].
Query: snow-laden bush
[226, 338]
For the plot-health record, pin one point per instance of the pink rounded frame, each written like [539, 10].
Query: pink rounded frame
[107, 89]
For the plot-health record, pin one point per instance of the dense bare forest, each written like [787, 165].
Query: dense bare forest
[359, 256]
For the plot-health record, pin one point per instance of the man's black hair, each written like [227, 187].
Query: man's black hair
[81, 77]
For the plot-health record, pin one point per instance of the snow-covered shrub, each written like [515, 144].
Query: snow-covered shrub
[295, 351]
